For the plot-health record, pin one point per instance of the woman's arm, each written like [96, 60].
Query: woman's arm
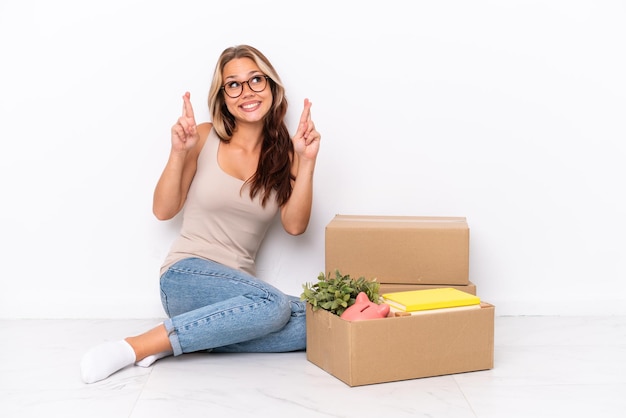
[187, 140]
[296, 212]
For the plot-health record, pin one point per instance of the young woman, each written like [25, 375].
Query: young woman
[230, 178]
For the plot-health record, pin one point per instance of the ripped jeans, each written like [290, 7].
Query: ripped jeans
[217, 308]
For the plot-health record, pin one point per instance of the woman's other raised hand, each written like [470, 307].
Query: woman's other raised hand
[185, 132]
[306, 141]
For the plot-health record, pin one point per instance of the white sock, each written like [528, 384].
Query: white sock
[105, 359]
[147, 362]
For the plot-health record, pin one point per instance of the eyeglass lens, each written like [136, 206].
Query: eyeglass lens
[257, 84]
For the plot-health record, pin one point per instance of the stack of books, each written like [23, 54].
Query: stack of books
[415, 302]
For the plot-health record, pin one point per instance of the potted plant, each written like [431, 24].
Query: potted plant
[336, 294]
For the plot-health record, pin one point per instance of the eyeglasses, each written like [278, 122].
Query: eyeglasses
[256, 83]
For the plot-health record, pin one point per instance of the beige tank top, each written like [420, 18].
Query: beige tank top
[220, 221]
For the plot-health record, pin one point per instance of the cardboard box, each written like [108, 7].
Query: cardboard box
[399, 249]
[391, 349]
[392, 287]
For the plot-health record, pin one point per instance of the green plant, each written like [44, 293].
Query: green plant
[337, 293]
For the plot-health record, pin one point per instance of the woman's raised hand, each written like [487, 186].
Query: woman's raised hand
[306, 142]
[184, 132]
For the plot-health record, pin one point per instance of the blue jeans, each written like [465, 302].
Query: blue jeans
[217, 308]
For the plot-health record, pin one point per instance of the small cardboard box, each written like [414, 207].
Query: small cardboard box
[399, 249]
[391, 349]
[392, 287]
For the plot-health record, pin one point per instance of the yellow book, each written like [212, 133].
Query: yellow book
[419, 300]
[397, 312]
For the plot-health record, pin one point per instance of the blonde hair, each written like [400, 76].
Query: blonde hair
[274, 168]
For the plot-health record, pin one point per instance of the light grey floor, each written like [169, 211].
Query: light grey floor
[544, 367]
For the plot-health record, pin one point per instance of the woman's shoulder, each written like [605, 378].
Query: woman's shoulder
[204, 129]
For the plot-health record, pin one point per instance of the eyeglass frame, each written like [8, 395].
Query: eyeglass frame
[267, 79]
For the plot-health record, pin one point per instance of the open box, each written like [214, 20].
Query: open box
[400, 348]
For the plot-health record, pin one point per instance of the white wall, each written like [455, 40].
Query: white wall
[510, 113]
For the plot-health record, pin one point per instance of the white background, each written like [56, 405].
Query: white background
[509, 113]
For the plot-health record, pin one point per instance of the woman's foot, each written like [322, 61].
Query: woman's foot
[147, 362]
[105, 359]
